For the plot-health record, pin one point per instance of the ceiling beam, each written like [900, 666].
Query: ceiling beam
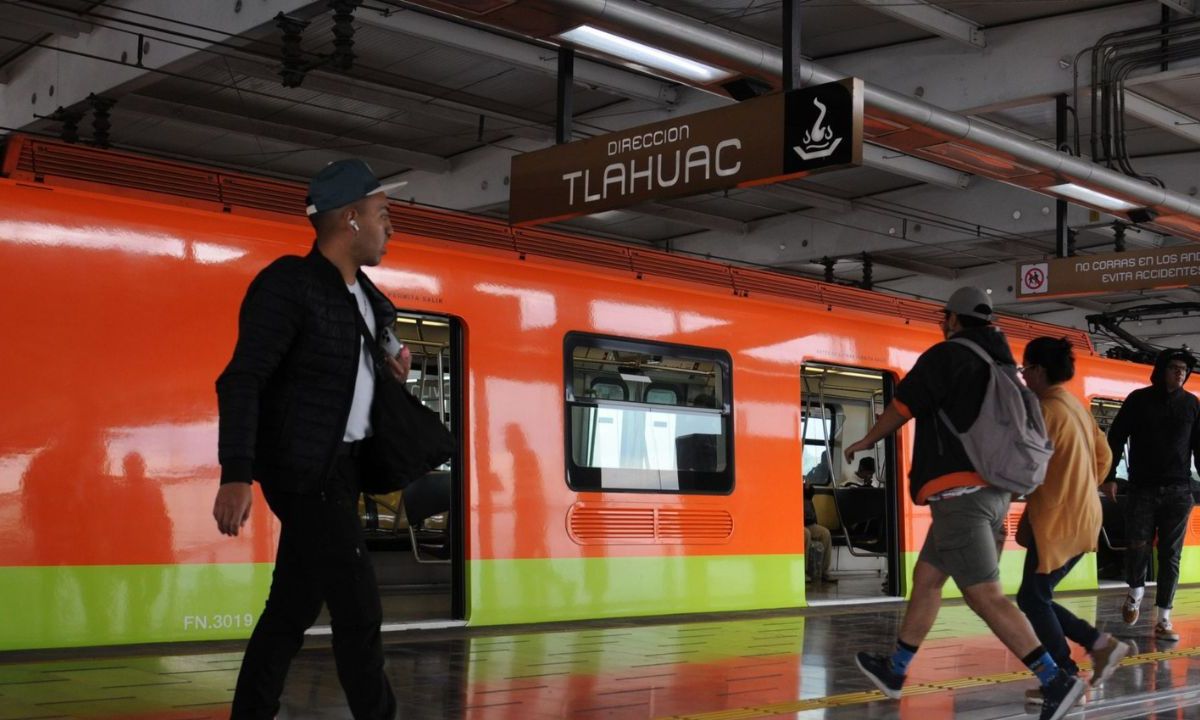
[1185, 7]
[375, 93]
[807, 197]
[704, 220]
[522, 54]
[274, 130]
[1172, 121]
[897, 163]
[103, 61]
[917, 266]
[935, 19]
[51, 20]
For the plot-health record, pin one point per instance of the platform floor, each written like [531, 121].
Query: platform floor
[795, 664]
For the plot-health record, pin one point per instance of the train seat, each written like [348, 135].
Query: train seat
[863, 513]
[826, 511]
[422, 510]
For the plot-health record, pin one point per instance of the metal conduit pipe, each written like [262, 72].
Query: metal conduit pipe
[1114, 102]
[1102, 53]
[1108, 42]
[737, 52]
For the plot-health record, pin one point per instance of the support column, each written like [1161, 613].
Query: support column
[566, 88]
[791, 45]
[1062, 243]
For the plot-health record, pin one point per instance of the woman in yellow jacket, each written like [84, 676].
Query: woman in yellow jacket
[1064, 513]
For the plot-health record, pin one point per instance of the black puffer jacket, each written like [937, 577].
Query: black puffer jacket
[285, 396]
[1163, 429]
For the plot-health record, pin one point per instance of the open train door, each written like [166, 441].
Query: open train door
[415, 537]
[857, 504]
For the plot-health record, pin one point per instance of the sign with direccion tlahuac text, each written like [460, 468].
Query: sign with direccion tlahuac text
[1177, 266]
[767, 139]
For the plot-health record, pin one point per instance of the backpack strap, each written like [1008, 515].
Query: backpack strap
[974, 347]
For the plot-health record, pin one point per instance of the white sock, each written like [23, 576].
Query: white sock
[1164, 615]
[1136, 593]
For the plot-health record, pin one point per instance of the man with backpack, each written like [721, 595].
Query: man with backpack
[951, 390]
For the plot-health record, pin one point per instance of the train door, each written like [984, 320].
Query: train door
[856, 503]
[1110, 547]
[415, 536]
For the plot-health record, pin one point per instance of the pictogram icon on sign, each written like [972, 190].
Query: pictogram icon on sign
[1034, 279]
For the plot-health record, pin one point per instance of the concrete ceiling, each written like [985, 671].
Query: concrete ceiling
[443, 94]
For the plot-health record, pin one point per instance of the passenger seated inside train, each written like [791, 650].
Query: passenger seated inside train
[864, 474]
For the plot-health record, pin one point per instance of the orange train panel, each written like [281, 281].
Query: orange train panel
[77, 166]
[128, 311]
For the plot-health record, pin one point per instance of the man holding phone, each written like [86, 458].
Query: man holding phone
[295, 408]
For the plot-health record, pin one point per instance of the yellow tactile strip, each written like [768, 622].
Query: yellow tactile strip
[858, 698]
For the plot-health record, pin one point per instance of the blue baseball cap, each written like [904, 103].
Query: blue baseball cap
[343, 182]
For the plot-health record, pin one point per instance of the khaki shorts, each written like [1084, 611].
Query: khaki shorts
[966, 536]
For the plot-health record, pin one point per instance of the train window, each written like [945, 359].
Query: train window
[819, 431]
[1104, 410]
[666, 430]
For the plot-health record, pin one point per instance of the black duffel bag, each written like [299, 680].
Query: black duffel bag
[408, 440]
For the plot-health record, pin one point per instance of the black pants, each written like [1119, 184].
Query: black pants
[1052, 623]
[321, 559]
[1162, 511]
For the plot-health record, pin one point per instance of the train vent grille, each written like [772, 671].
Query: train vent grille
[680, 267]
[93, 165]
[427, 222]
[287, 198]
[566, 247]
[750, 283]
[591, 524]
[1194, 525]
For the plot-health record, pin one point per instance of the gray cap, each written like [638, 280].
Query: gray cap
[971, 302]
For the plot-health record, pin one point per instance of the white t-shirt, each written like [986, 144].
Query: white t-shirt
[358, 425]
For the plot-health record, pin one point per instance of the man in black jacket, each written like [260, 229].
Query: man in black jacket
[295, 405]
[1162, 425]
[967, 528]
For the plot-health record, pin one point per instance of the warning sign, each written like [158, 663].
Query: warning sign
[1111, 272]
[1033, 279]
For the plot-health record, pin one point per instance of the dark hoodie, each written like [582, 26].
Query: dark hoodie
[951, 377]
[1163, 429]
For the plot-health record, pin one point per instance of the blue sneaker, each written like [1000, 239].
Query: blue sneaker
[1061, 695]
[879, 669]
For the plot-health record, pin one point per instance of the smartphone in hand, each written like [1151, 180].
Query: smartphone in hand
[390, 344]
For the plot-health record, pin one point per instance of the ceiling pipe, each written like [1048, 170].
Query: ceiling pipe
[736, 52]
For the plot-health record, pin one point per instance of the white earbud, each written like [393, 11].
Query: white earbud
[354, 224]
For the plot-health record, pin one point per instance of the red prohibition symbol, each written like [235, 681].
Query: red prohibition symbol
[1034, 278]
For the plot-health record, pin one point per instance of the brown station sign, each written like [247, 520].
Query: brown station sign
[763, 140]
[1111, 272]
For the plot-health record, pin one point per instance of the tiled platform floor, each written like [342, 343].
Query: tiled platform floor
[785, 664]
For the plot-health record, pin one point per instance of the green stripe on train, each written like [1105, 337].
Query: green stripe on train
[523, 591]
[76, 606]
[1012, 563]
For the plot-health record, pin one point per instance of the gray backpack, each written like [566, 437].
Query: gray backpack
[1007, 443]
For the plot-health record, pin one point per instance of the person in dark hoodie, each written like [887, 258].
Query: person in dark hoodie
[967, 529]
[1162, 426]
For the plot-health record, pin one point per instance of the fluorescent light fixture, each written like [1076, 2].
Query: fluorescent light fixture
[1091, 197]
[651, 57]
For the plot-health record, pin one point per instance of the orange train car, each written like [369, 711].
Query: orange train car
[635, 427]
